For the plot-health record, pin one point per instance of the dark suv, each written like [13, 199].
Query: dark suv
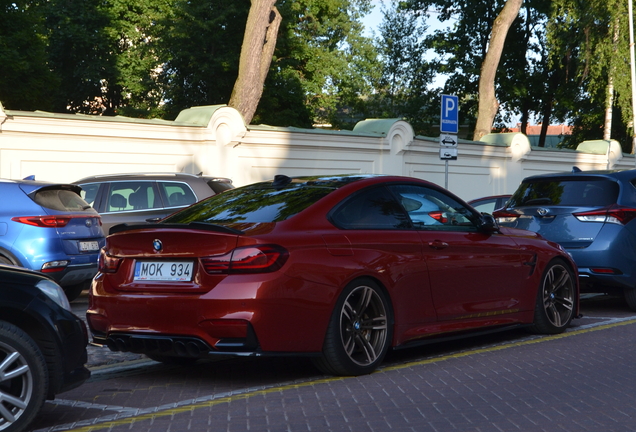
[42, 345]
[592, 215]
[127, 198]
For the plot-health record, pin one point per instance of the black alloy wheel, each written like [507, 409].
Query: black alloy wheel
[359, 332]
[555, 299]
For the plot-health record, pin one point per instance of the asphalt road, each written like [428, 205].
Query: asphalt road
[582, 380]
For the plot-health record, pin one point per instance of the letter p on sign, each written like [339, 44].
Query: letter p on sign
[449, 119]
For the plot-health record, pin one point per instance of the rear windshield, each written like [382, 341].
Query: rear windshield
[60, 200]
[251, 204]
[580, 192]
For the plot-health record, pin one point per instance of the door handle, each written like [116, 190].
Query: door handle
[438, 244]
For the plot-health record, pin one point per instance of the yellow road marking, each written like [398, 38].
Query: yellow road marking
[207, 404]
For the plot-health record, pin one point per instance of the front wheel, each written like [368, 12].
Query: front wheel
[23, 378]
[555, 299]
[359, 332]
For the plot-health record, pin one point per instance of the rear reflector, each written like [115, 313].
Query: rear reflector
[603, 270]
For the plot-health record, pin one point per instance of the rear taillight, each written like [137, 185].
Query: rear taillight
[439, 216]
[504, 216]
[107, 263]
[249, 259]
[43, 221]
[614, 214]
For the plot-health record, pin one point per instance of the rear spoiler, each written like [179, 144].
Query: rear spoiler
[192, 225]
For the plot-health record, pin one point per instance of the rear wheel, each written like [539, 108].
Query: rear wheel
[359, 332]
[555, 299]
[5, 260]
[23, 378]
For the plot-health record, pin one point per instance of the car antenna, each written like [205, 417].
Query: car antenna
[576, 169]
[280, 181]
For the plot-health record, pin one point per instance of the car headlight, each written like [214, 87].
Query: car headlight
[55, 293]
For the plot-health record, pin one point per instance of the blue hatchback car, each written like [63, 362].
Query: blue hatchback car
[592, 214]
[50, 228]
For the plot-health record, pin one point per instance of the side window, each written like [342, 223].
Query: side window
[178, 194]
[89, 192]
[374, 208]
[486, 206]
[133, 195]
[430, 209]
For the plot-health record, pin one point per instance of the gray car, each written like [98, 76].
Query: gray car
[140, 197]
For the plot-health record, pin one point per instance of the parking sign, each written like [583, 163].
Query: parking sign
[449, 119]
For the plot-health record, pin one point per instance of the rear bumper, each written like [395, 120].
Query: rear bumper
[74, 274]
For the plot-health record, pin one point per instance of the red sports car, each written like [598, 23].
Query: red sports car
[340, 268]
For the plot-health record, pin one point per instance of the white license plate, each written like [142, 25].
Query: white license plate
[163, 271]
[88, 246]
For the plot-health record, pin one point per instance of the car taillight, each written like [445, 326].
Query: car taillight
[108, 263]
[43, 221]
[505, 217]
[614, 214]
[439, 216]
[249, 259]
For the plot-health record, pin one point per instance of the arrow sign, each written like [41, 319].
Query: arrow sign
[447, 140]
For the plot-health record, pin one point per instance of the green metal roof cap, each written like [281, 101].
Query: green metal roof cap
[378, 126]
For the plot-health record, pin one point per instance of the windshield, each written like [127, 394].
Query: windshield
[578, 192]
[252, 204]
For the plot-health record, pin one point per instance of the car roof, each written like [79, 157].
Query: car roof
[613, 174]
[148, 176]
[29, 186]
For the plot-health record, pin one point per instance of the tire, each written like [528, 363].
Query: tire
[5, 260]
[74, 291]
[630, 297]
[554, 308]
[23, 378]
[359, 332]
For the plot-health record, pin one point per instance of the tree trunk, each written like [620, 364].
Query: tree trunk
[256, 56]
[488, 104]
[609, 102]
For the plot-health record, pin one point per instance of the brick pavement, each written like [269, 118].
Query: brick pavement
[582, 381]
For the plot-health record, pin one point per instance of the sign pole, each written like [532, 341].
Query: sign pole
[448, 126]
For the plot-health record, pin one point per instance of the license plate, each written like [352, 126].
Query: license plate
[88, 246]
[178, 271]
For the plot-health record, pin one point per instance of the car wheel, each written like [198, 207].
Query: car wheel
[555, 299]
[74, 291]
[359, 332]
[630, 297]
[5, 260]
[23, 378]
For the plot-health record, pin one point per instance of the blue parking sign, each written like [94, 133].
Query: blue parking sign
[449, 119]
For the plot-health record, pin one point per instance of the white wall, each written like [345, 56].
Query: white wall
[214, 140]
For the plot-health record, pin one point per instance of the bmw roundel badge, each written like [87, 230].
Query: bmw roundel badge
[157, 245]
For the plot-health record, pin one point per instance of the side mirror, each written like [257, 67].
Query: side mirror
[487, 223]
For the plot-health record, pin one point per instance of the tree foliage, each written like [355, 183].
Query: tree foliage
[322, 65]
[25, 80]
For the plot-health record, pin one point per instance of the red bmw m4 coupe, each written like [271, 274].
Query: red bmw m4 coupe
[341, 268]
